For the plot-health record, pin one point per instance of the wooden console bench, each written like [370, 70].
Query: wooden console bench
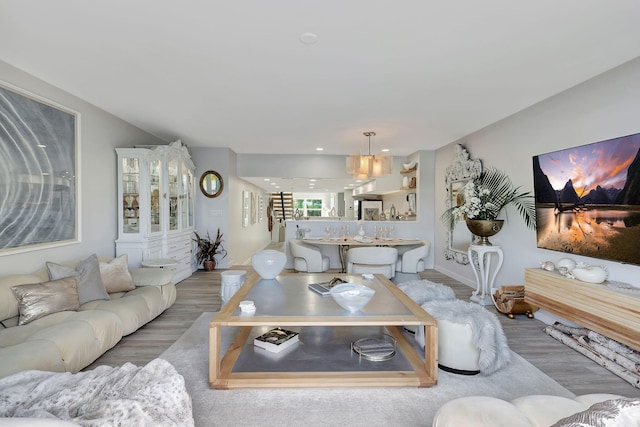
[595, 306]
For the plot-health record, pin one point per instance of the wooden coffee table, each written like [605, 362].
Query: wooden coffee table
[324, 357]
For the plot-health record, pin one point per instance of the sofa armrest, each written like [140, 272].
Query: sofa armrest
[151, 276]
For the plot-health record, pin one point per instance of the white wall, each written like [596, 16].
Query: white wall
[605, 107]
[100, 134]
[211, 214]
[245, 241]
[225, 211]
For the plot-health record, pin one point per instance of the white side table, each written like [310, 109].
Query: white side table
[159, 262]
[481, 264]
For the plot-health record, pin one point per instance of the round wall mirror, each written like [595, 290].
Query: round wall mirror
[211, 184]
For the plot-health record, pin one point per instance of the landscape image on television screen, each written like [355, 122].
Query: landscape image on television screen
[588, 199]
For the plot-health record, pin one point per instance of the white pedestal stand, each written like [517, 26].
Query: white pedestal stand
[481, 265]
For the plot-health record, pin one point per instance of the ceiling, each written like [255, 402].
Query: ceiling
[238, 74]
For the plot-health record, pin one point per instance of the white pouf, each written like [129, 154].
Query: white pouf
[480, 411]
[545, 410]
[457, 352]
[231, 281]
[268, 264]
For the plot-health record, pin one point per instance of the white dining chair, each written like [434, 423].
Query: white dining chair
[373, 260]
[307, 258]
[411, 258]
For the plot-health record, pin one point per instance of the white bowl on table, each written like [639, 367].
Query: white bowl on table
[352, 296]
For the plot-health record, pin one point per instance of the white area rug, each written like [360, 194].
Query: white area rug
[338, 406]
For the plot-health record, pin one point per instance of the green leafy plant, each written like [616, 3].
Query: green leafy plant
[486, 196]
[209, 248]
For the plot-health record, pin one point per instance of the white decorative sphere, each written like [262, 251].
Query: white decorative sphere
[567, 263]
[547, 265]
[268, 264]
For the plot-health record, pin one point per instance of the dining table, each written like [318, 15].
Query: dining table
[344, 243]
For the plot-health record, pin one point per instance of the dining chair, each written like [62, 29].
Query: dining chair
[411, 258]
[307, 258]
[373, 260]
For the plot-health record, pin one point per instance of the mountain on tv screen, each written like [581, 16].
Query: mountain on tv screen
[588, 199]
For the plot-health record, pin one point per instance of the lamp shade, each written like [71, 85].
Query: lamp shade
[365, 166]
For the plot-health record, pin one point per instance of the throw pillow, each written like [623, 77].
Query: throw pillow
[40, 299]
[610, 413]
[115, 275]
[90, 286]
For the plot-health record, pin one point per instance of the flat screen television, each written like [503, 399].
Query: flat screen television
[588, 199]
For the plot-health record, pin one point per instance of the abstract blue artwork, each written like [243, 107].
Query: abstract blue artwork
[38, 173]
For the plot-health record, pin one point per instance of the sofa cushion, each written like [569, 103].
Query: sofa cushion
[90, 286]
[41, 299]
[40, 355]
[77, 342]
[115, 275]
[132, 310]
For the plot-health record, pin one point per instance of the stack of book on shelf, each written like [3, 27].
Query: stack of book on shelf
[276, 340]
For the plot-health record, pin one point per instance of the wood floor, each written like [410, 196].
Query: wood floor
[201, 292]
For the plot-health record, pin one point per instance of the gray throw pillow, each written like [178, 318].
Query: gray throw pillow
[87, 273]
[610, 413]
[40, 299]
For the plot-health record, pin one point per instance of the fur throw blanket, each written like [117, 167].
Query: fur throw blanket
[488, 335]
[151, 395]
[424, 290]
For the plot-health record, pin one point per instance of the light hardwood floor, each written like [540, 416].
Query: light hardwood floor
[201, 292]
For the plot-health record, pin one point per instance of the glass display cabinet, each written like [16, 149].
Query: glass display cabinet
[155, 206]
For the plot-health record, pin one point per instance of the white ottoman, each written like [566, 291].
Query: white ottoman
[480, 411]
[544, 410]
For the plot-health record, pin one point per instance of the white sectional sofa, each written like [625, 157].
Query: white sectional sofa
[63, 333]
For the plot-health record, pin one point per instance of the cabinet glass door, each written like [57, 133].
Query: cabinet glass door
[131, 195]
[155, 175]
[185, 196]
[190, 197]
[173, 193]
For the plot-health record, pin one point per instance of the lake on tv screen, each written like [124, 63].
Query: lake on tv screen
[612, 234]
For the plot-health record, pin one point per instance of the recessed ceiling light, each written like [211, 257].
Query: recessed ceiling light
[308, 38]
[312, 180]
[267, 179]
[386, 150]
[319, 149]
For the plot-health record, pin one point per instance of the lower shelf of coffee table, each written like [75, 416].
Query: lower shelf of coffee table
[322, 358]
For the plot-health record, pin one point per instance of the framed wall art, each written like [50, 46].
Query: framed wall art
[39, 177]
[245, 208]
[371, 210]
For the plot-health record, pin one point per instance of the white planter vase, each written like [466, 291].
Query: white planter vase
[268, 264]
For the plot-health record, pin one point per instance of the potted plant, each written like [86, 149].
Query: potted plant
[485, 197]
[208, 249]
